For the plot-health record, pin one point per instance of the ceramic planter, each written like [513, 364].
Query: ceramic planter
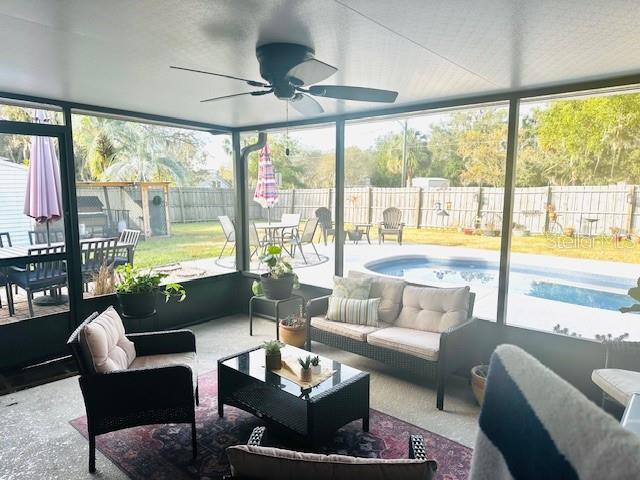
[273, 361]
[305, 374]
[137, 304]
[294, 336]
[276, 288]
[316, 369]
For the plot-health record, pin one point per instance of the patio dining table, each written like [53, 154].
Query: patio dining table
[271, 229]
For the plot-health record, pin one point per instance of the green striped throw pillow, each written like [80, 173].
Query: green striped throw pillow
[354, 311]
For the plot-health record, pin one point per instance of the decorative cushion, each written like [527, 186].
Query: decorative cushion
[413, 342]
[266, 463]
[351, 287]
[105, 341]
[433, 309]
[619, 384]
[349, 310]
[389, 290]
[356, 332]
[168, 359]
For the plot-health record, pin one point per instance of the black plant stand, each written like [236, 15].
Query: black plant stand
[276, 304]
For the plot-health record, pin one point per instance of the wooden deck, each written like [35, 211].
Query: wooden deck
[22, 307]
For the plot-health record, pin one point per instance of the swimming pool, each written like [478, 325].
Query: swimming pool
[568, 286]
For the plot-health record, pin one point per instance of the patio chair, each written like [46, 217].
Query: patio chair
[255, 241]
[132, 380]
[94, 254]
[286, 234]
[5, 240]
[37, 237]
[617, 383]
[229, 230]
[37, 275]
[308, 234]
[391, 224]
[326, 224]
[129, 237]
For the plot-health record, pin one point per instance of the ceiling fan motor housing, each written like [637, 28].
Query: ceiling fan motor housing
[276, 60]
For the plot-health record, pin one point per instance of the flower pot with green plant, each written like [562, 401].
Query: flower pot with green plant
[272, 354]
[280, 280]
[316, 368]
[292, 329]
[305, 371]
[137, 291]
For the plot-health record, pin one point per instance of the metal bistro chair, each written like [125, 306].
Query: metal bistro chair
[620, 378]
[40, 238]
[326, 224]
[308, 233]
[229, 230]
[5, 241]
[37, 275]
[95, 254]
[129, 237]
[391, 224]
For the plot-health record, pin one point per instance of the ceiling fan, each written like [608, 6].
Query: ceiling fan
[291, 72]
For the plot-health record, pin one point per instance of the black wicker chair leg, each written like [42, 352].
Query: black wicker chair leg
[440, 391]
[194, 439]
[197, 396]
[92, 453]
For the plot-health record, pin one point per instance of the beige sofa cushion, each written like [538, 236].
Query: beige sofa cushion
[357, 288]
[619, 384]
[388, 290]
[356, 332]
[433, 309]
[168, 359]
[413, 342]
[267, 463]
[106, 343]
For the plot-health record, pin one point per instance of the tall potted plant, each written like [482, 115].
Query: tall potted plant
[136, 290]
[279, 281]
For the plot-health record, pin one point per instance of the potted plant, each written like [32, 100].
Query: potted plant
[292, 330]
[478, 381]
[316, 368]
[305, 371]
[468, 230]
[569, 231]
[137, 290]
[272, 355]
[280, 280]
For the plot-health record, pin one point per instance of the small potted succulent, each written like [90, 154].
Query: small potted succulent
[292, 329]
[280, 280]
[136, 290]
[272, 354]
[305, 371]
[316, 368]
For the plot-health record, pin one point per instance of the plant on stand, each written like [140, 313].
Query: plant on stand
[305, 372]
[292, 329]
[280, 280]
[137, 290]
[316, 368]
[272, 354]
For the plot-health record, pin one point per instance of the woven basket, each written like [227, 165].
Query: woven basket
[478, 382]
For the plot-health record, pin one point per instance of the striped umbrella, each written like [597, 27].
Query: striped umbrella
[266, 189]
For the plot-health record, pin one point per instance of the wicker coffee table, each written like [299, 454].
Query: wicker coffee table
[309, 416]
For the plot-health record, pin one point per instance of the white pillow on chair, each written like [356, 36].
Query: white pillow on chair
[105, 341]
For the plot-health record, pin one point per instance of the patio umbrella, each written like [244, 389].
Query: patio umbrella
[42, 199]
[266, 189]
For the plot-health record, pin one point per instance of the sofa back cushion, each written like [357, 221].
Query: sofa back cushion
[258, 463]
[354, 311]
[345, 287]
[388, 290]
[105, 343]
[433, 309]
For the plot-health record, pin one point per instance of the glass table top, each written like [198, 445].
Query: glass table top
[253, 364]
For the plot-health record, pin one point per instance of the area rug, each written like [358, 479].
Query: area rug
[164, 451]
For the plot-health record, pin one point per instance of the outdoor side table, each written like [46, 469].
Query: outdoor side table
[365, 229]
[276, 304]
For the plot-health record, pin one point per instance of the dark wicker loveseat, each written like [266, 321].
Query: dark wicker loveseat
[138, 396]
[453, 352]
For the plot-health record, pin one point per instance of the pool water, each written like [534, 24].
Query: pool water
[568, 286]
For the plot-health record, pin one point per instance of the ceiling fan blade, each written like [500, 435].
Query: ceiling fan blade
[360, 94]
[255, 94]
[306, 105]
[310, 71]
[252, 83]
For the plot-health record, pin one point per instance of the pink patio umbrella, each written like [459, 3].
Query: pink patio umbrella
[42, 199]
[266, 189]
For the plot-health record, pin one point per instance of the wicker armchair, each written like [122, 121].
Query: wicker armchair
[253, 457]
[391, 224]
[619, 379]
[162, 392]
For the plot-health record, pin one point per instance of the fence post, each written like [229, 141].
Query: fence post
[631, 203]
[546, 210]
[418, 206]
[181, 200]
[478, 218]
[370, 205]
[293, 200]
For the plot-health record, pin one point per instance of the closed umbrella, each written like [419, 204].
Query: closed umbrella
[266, 193]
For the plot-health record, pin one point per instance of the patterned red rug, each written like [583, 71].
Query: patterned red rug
[164, 451]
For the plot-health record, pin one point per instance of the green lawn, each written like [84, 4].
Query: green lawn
[190, 241]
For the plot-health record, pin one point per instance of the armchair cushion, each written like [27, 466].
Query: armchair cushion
[388, 290]
[105, 343]
[355, 332]
[433, 309]
[260, 463]
[619, 384]
[165, 360]
[406, 340]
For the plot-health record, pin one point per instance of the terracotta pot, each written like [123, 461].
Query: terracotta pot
[569, 231]
[478, 382]
[273, 361]
[294, 336]
[305, 374]
[276, 288]
[468, 231]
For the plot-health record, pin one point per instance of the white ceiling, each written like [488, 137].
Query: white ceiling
[116, 53]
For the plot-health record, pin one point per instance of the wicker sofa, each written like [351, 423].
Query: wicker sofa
[397, 343]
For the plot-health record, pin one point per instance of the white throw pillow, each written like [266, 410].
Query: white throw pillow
[351, 287]
[105, 340]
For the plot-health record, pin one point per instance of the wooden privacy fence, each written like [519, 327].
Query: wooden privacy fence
[602, 207]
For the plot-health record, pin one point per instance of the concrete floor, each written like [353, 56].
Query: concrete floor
[38, 442]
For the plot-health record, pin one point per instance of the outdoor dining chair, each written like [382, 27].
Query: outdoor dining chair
[255, 242]
[5, 241]
[127, 237]
[391, 224]
[95, 254]
[308, 233]
[37, 237]
[37, 275]
[229, 230]
[326, 224]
